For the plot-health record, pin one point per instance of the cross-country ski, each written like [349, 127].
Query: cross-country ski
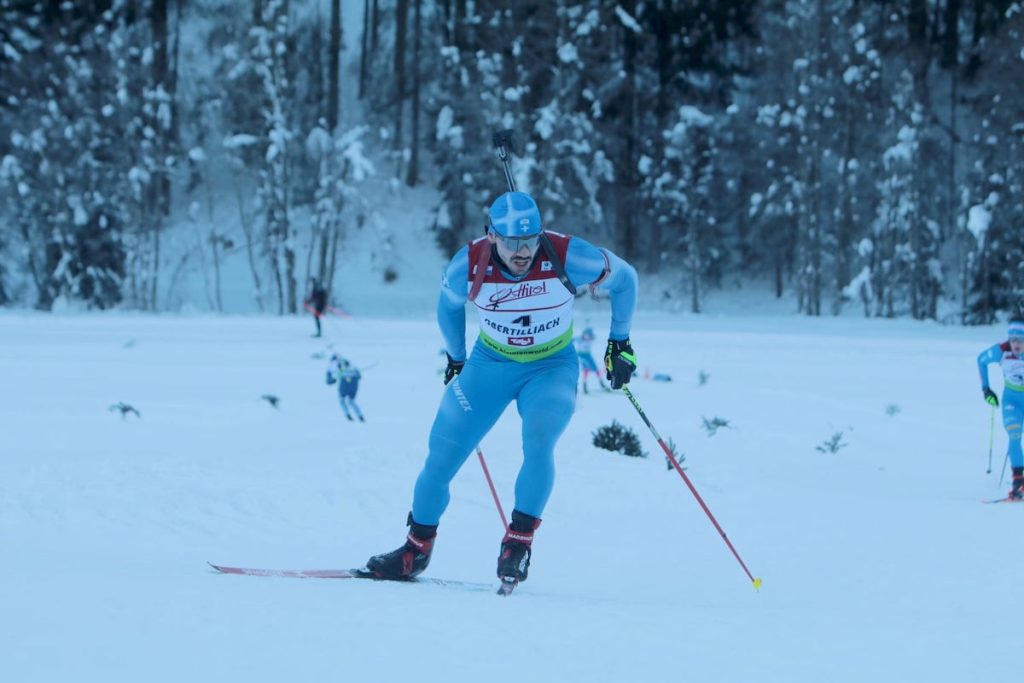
[344, 574]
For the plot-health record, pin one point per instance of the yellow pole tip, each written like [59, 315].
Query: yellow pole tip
[757, 584]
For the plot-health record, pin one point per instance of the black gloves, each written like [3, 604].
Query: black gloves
[620, 362]
[454, 368]
[990, 397]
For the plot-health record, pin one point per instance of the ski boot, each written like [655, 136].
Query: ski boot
[407, 562]
[514, 558]
[1017, 492]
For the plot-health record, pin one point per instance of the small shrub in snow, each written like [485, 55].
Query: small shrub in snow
[680, 458]
[617, 438]
[832, 445]
[714, 424]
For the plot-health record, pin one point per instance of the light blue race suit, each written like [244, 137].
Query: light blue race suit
[544, 388]
[584, 342]
[347, 376]
[1013, 394]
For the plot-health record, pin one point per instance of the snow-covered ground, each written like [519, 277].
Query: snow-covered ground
[879, 562]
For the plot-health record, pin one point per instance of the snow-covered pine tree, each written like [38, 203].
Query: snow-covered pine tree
[66, 162]
[679, 188]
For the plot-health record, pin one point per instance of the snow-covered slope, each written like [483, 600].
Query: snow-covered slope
[879, 562]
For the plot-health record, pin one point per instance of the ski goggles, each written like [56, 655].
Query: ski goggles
[514, 244]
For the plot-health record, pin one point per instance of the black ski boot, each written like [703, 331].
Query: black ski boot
[514, 558]
[411, 559]
[1017, 492]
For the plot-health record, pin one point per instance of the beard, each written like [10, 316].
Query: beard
[514, 264]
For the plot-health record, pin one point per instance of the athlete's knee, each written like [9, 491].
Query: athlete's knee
[1013, 431]
[552, 415]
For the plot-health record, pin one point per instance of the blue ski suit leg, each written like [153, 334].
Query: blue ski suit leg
[1013, 415]
[545, 392]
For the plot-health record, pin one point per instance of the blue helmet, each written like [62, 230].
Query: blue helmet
[1016, 329]
[515, 214]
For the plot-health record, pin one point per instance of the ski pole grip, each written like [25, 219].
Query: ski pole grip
[502, 139]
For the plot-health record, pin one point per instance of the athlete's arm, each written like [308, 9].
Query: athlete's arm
[992, 354]
[586, 264]
[451, 304]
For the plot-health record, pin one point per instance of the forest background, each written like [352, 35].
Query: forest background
[857, 156]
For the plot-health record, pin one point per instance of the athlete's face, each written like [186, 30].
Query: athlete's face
[517, 254]
[1017, 345]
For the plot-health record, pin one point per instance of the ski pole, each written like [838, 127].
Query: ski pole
[490, 483]
[675, 463]
[991, 438]
[341, 313]
[502, 140]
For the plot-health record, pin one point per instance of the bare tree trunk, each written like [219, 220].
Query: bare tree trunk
[335, 238]
[278, 281]
[363, 52]
[325, 245]
[160, 84]
[845, 228]
[401, 19]
[314, 239]
[414, 142]
[778, 271]
[627, 203]
[986, 282]
[374, 26]
[246, 222]
[172, 82]
[160, 185]
[694, 262]
[966, 261]
[156, 267]
[333, 65]
[216, 243]
[459, 27]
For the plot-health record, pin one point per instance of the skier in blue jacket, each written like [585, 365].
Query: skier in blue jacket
[347, 376]
[584, 343]
[521, 279]
[1010, 356]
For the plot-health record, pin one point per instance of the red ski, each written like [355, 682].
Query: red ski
[1004, 500]
[343, 574]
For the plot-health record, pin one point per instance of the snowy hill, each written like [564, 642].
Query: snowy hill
[879, 562]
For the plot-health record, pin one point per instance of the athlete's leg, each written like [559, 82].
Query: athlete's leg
[1013, 414]
[546, 403]
[587, 362]
[344, 404]
[472, 403]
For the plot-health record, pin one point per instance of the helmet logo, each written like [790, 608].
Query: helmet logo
[525, 222]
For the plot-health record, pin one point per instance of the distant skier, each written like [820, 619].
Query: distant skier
[316, 302]
[1010, 356]
[347, 376]
[521, 280]
[584, 343]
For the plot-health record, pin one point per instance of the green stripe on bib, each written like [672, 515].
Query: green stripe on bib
[525, 354]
